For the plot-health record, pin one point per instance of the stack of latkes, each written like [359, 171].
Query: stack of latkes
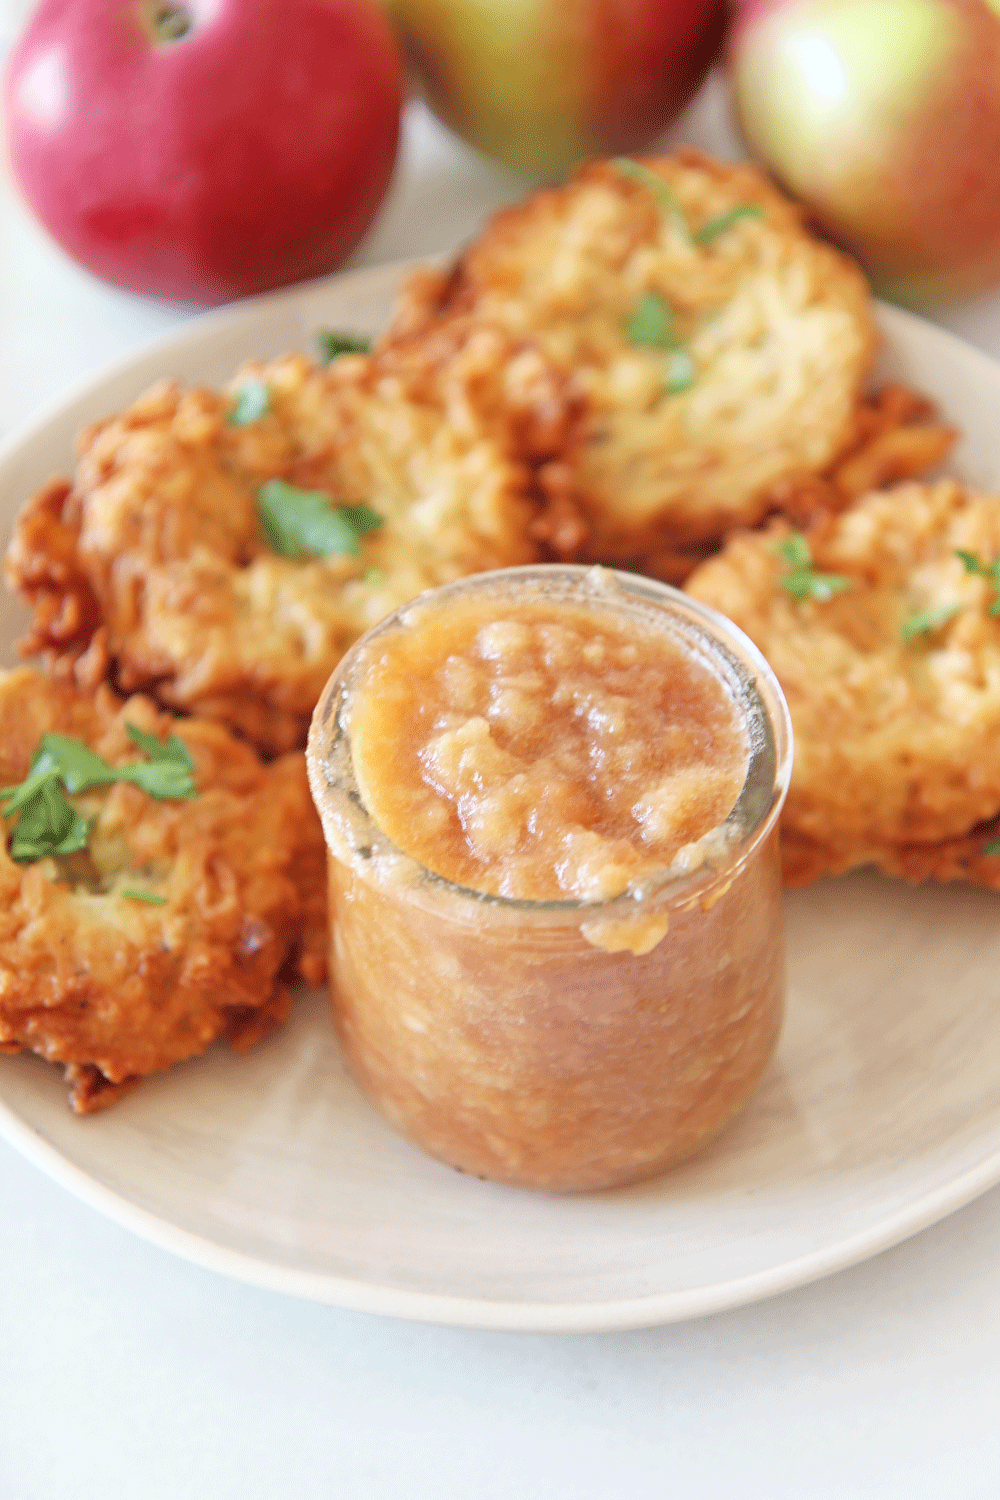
[631, 369]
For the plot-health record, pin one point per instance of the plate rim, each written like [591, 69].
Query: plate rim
[498, 1316]
[200, 326]
[431, 1307]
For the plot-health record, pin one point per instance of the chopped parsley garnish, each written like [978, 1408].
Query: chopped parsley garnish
[250, 403]
[926, 621]
[361, 518]
[712, 228]
[150, 897]
[296, 521]
[992, 847]
[661, 191]
[169, 773]
[650, 323]
[373, 576]
[680, 372]
[989, 571]
[802, 580]
[333, 344]
[49, 824]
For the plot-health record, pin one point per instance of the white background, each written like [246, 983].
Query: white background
[126, 1373]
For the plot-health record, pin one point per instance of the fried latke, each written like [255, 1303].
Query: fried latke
[151, 566]
[893, 682]
[896, 434]
[114, 986]
[680, 274]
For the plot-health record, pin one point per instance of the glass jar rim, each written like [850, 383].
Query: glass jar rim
[744, 669]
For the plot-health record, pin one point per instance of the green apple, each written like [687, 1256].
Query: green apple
[541, 84]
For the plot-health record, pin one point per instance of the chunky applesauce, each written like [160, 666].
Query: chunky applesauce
[550, 799]
[560, 752]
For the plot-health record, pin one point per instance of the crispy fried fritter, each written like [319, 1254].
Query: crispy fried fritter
[151, 565]
[896, 434]
[113, 987]
[962, 858]
[772, 329]
[893, 684]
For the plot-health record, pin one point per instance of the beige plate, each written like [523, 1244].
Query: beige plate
[880, 1115]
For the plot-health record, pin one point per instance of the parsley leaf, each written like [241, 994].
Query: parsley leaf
[712, 228]
[661, 191]
[333, 344]
[926, 621]
[294, 521]
[650, 323]
[167, 775]
[802, 580]
[795, 550]
[251, 402]
[172, 749]
[680, 372]
[150, 897]
[75, 764]
[989, 571]
[48, 823]
[361, 518]
[23, 792]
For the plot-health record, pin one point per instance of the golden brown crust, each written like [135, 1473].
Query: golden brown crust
[897, 758]
[43, 566]
[804, 860]
[151, 564]
[114, 988]
[954, 859]
[895, 435]
[779, 327]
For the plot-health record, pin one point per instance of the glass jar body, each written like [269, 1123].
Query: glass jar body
[522, 1053]
[561, 1044]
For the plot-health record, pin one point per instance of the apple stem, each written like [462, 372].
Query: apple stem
[171, 21]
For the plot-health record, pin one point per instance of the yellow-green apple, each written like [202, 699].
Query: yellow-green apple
[204, 149]
[883, 117]
[540, 84]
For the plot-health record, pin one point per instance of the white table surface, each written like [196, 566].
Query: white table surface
[126, 1373]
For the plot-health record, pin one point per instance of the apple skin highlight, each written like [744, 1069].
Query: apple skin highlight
[884, 120]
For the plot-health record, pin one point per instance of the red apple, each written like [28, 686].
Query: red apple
[205, 149]
[883, 117]
[540, 84]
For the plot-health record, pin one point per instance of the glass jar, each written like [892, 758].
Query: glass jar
[561, 1044]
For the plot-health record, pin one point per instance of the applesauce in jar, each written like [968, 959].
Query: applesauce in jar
[550, 799]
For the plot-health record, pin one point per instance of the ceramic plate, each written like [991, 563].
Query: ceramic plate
[880, 1114]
